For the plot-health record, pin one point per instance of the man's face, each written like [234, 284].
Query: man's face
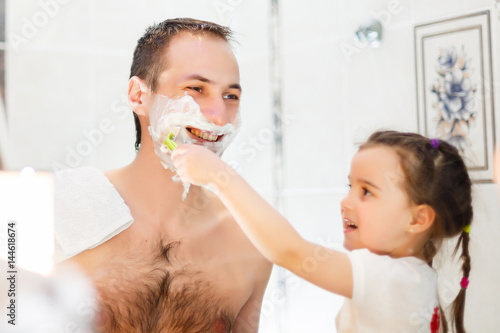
[197, 96]
[204, 67]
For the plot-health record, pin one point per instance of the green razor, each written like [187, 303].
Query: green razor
[169, 140]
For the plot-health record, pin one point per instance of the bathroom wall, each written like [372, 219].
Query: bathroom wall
[341, 91]
[67, 67]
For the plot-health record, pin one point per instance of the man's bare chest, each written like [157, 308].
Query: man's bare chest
[175, 284]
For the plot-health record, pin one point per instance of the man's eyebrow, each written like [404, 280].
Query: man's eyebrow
[235, 86]
[204, 79]
[197, 77]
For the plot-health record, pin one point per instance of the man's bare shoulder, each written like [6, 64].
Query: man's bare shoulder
[115, 175]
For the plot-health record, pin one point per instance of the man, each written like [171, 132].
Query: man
[182, 265]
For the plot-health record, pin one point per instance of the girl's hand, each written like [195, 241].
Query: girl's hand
[200, 166]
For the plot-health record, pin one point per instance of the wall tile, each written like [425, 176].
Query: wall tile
[320, 24]
[317, 218]
[382, 88]
[253, 147]
[109, 97]
[390, 13]
[119, 24]
[312, 103]
[252, 36]
[47, 106]
[48, 24]
[482, 300]
[312, 309]
[431, 10]
[214, 11]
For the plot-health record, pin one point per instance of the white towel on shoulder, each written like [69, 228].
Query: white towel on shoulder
[88, 211]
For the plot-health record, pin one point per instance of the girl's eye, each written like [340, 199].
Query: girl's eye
[366, 191]
[198, 89]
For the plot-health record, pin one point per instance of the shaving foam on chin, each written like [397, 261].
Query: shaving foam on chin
[169, 115]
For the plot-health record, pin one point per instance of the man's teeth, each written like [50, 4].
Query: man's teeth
[204, 135]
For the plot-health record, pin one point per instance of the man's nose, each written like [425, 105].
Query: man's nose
[215, 110]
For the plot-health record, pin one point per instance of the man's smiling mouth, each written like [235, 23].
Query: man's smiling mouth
[207, 136]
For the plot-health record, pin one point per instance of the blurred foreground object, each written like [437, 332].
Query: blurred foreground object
[64, 301]
[35, 297]
[27, 220]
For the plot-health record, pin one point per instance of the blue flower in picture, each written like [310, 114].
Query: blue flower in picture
[455, 97]
[447, 60]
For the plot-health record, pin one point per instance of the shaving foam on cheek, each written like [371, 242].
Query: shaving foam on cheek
[167, 115]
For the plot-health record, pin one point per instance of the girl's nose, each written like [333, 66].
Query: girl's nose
[345, 204]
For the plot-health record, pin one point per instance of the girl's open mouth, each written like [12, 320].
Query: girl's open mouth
[349, 225]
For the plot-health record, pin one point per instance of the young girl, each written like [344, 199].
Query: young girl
[407, 193]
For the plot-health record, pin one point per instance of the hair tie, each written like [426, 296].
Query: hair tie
[464, 282]
[466, 229]
[434, 143]
[435, 321]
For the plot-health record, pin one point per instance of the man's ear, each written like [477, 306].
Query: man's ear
[423, 218]
[138, 95]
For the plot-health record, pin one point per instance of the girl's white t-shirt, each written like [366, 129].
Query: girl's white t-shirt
[389, 295]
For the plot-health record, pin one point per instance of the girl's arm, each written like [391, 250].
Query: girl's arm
[268, 230]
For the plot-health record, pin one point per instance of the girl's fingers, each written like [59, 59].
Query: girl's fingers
[180, 150]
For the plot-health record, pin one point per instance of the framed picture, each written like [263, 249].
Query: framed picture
[454, 88]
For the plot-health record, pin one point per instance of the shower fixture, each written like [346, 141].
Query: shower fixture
[370, 33]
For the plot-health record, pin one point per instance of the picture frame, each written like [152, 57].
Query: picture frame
[453, 64]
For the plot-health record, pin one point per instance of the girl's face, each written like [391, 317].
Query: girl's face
[377, 213]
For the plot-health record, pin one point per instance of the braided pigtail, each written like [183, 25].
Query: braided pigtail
[430, 251]
[458, 305]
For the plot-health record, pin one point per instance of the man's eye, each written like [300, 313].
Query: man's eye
[231, 96]
[198, 89]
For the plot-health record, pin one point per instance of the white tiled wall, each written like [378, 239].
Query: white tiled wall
[72, 75]
[339, 99]
[47, 104]
[252, 150]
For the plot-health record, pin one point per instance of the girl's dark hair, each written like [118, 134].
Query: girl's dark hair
[149, 55]
[436, 175]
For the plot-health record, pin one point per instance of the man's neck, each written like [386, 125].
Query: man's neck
[147, 187]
